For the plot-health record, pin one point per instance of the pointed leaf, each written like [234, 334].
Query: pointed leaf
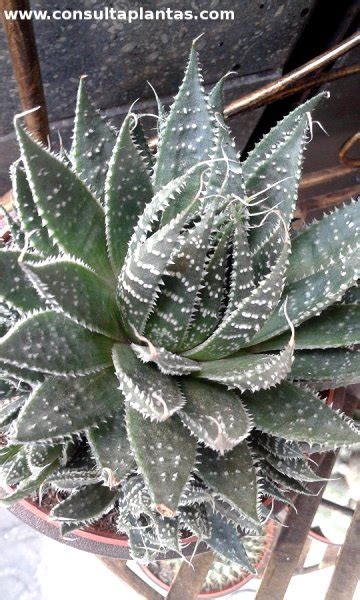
[225, 540]
[74, 218]
[277, 137]
[52, 343]
[295, 468]
[78, 292]
[270, 489]
[338, 326]
[330, 368]
[250, 371]
[21, 375]
[9, 409]
[93, 143]
[149, 391]
[287, 483]
[140, 141]
[320, 243]
[214, 415]
[28, 213]
[246, 319]
[168, 534]
[278, 446]
[165, 455]
[167, 362]
[16, 469]
[210, 299]
[29, 485]
[233, 515]
[242, 275]
[324, 275]
[187, 135]
[41, 455]
[128, 190]
[143, 272]
[195, 519]
[15, 288]
[294, 413]
[174, 308]
[61, 406]
[233, 478]
[87, 504]
[111, 448]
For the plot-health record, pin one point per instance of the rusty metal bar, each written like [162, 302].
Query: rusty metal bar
[344, 150]
[25, 62]
[287, 552]
[190, 578]
[324, 176]
[347, 571]
[274, 90]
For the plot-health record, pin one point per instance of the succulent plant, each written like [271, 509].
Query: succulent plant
[150, 367]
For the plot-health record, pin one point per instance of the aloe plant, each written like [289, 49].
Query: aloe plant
[149, 361]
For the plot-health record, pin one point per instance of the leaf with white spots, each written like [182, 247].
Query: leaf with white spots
[225, 541]
[250, 371]
[61, 406]
[167, 362]
[208, 308]
[233, 515]
[50, 342]
[338, 326]
[308, 297]
[85, 504]
[174, 197]
[272, 173]
[293, 413]
[322, 242]
[248, 316]
[41, 455]
[271, 490]
[140, 141]
[28, 213]
[279, 447]
[73, 217]
[110, 447]
[187, 136]
[16, 468]
[295, 468]
[323, 264]
[242, 276]
[79, 292]
[167, 532]
[327, 368]
[277, 137]
[127, 190]
[15, 288]
[170, 321]
[270, 474]
[145, 388]
[233, 478]
[195, 519]
[140, 280]
[214, 415]
[29, 485]
[9, 408]
[20, 374]
[93, 143]
[165, 455]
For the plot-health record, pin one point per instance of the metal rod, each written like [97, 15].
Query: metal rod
[347, 571]
[25, 62]
[272, 90]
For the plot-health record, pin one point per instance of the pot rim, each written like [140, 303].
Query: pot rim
[269, 538]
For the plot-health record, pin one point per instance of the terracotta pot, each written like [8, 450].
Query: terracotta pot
[106, 543]
[229, 589]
